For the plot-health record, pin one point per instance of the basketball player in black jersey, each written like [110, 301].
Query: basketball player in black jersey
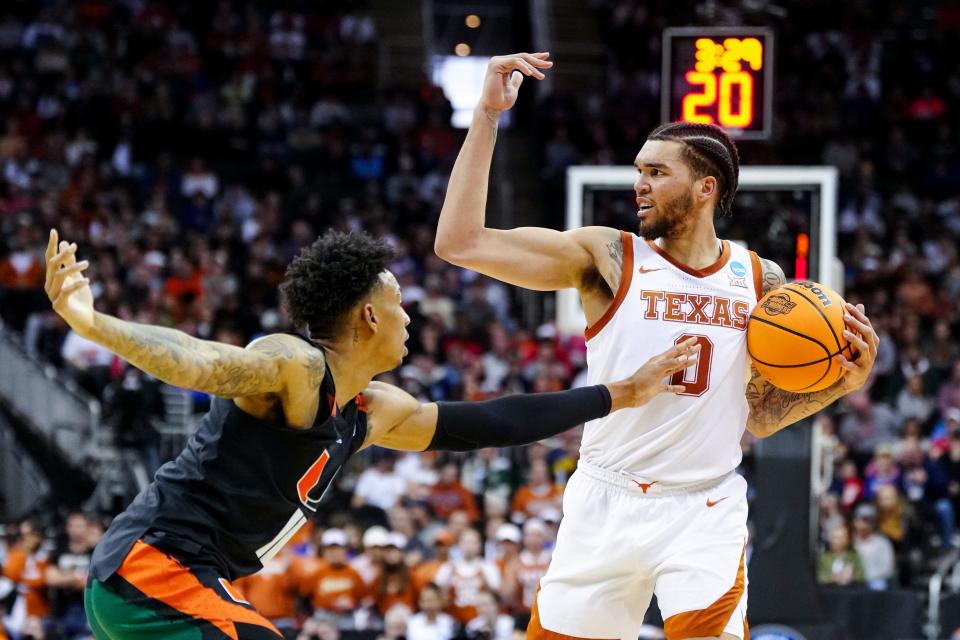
[287, 412]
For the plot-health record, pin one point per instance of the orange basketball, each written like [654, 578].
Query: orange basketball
[795, 334]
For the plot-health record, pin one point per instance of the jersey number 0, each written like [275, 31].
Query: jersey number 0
[697, 377]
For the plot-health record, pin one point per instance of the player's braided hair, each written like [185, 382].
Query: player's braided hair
[330, 276]
[710, 151]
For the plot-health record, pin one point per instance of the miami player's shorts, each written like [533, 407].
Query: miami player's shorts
[152, 596]
[622, 540]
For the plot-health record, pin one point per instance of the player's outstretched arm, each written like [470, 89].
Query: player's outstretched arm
[397, 420]
[772, 408]
[170, 355]
[531, 257]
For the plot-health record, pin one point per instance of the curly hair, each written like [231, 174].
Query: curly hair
[330, 277]
[710, 151]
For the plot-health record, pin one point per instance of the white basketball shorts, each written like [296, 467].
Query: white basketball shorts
[623, 539]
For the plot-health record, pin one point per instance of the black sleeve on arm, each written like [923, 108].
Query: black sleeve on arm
[516, 420]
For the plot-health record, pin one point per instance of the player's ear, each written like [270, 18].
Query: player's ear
[368, 316]
[706, 187]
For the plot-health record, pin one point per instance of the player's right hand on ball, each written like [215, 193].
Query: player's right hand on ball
[650, 379]
[501, 84]
[68, 290]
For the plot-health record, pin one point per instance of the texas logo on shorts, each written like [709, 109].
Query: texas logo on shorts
[310, 480]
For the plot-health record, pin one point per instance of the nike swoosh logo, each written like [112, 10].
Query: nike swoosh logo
[716, 502]
[645, 270]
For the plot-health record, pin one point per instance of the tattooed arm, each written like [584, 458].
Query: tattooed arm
[170, 355]
[184, 361]
[772, 408]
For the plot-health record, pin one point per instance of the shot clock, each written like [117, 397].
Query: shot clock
[721, 76]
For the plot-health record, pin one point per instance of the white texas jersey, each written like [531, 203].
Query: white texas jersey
[675, 439]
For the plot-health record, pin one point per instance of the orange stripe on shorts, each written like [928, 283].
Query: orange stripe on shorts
[162, 578]
[535, 630]
[712, 620]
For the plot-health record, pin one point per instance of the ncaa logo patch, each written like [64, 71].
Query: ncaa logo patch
[738, 269]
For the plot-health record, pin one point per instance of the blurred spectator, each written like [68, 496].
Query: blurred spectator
[431, 623]
[830, 515]
[322, 627]
[334, 587]
[395, 623]
[882, 470]
[950, 461]
[875, 550]
[92, 365]
[25, 566]
[839, 564]
[950, 391]
[538, 494]
[490, 473]
[848, 484]
[380, 485]
[66, 576]
[911, 401]
[465, 578]
[435, 304]
[417, 470]
[508, 537]
[426, 572]
[21, 277]
[368, 562]
[273, 591]
[533, 563]
[897, 518]
[490, 623]
[925, 485]
[393, 585]
[868, 424]
[135, 403]
[449, 495]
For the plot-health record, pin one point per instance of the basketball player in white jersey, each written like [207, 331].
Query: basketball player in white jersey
[655, 505]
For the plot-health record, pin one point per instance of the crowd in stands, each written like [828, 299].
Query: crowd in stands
[191, 149]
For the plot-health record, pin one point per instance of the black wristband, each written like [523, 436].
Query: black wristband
[516, 420]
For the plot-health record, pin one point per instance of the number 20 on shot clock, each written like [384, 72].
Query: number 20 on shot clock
[721, 76]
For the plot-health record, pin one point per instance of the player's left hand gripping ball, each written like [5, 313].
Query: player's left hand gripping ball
[864, 338]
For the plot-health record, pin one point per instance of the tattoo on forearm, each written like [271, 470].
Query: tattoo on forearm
[772, 408]
[615, 250]
[494, 122]
[184, 361]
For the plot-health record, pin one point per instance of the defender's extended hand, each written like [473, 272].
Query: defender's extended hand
[648, 381]
[501, 84]
[65, 285]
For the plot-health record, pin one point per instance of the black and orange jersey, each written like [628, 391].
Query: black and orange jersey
[241, 488]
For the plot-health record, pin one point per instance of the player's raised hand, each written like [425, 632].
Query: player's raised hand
[68, 290]
[504, 76]
[649, 381]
